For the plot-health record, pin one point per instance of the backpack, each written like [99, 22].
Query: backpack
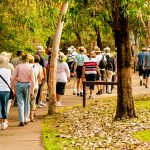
[102, 63]
[110, 62]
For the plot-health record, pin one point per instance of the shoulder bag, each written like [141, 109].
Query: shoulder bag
[11, 96]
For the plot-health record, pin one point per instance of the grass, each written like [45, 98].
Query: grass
[51, 139]
[143, 135]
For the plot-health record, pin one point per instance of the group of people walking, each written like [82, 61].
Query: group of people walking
[25, 77]
[92, 66]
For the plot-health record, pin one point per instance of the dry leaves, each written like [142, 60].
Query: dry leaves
[92, 128]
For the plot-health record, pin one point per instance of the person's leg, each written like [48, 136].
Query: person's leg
[33, 106]
[109, 79]
[38, 94]
[60, 90]
[26, 102]
[141, 75]
[3, 108]
[20, 102]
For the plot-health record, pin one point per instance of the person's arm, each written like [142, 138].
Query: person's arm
[83, 72]
[67, 70]
[98, 70]
[144, 63]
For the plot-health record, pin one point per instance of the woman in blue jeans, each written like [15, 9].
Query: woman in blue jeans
[4, 90]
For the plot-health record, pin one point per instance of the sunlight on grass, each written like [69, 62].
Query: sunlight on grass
[143, 135]
[142, 105]
[51, 141]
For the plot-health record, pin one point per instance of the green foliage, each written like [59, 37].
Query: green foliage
[24, 26]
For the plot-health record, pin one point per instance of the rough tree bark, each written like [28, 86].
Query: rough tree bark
[98, 35]
[125, 102]
[53, 62]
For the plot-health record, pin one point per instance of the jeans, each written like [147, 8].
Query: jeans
[22, 94]
[4, 97]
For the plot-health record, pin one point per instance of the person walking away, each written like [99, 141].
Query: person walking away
[98, 58]
[146, 66]
[70, 59]
[63, 75]
[39, 98]
[90, 71]
[78, 66]
[37, 76]
[23, 86]
[110, 68]
[16, 60]
[11, 67]
[5, 78]
[140, 59]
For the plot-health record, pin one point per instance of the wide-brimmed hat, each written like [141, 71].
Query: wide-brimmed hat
[61, 56]
[39, 49]
[5, 54]
[97, 49]
[71, 48]
[106, 49]
[4, 61]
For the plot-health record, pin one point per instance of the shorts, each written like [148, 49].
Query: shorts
[102, 75]
[140, 71]
[60, 88]
[91, 77]
[71, 66]
[33, 101]
[79, 71]
[147, 73]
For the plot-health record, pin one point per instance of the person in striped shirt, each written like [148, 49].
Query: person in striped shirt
[90, 71]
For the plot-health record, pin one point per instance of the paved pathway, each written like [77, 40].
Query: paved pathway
[29, 137]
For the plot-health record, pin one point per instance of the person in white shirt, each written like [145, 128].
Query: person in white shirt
[63, 75]
[5, 74]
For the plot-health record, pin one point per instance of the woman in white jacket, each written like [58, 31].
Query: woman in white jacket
[63, 75]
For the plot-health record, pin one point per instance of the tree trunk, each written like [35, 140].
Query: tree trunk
[78, 38]
[98, 35]
[125, 102]
[53, 62]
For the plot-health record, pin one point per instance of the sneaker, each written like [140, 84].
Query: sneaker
[59, 104]
[109, 92]
[41, 104]
[91, 96]
[98, 93]
[21, 124]
[74, 92]
[78, 93]
[140, 82]
[146, 86]
[4, 125]
[81, 93]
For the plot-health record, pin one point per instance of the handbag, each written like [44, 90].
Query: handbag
[11, 96]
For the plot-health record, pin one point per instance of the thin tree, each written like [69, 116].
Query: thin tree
[54, 56]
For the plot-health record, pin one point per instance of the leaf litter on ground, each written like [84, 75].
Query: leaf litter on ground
[93, 127]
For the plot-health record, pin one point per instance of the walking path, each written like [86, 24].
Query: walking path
[29, 137]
